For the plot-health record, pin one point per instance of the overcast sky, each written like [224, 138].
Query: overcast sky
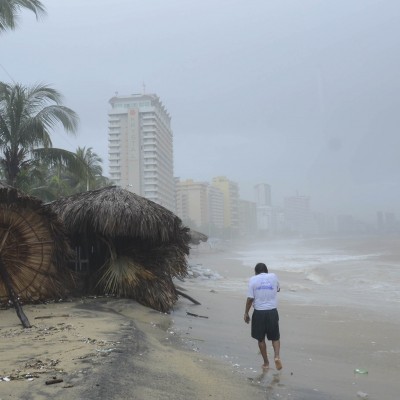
[303, 95]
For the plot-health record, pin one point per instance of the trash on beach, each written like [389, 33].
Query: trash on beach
[361, 371]
[362, 395]
[5, 379]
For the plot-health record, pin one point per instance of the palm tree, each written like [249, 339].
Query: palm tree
[10, 10]
[92, 166]
[27, 115]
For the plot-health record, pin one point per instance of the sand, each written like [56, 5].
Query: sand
[107, 348]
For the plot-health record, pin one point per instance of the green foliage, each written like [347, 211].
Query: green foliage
[10, 11]
[27, 116]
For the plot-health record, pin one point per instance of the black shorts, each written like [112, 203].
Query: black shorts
[265, 323]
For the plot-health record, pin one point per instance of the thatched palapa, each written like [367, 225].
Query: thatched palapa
[33, 250]
[126, 244]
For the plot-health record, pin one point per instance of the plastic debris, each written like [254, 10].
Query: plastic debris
[362, 395]
[361, 371]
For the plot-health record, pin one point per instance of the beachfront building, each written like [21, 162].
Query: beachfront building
[265, 219]
[215, 211]
[247, 218]
[265, 212]
[262, 194]
[192, 203]
[140, 147]
[200, 206]
[297, 214]
[230, 192]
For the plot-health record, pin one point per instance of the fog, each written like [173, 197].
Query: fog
[302, 95]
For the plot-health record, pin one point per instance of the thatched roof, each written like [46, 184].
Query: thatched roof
[34, 247]
[140, 245]
[116, 212]
[197, 237]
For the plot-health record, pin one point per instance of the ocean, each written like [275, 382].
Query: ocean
[357, 271]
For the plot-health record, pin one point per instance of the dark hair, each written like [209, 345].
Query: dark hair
[260, 268]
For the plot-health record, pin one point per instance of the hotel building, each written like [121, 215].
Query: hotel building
[140, 147]
[230, 192]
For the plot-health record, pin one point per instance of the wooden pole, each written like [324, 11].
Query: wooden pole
[14, 298]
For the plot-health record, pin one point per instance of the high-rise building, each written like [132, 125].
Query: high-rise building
[247, 218]
[215, 210]
[230, 192]
[262, 192]
[265, 212]
[140, 147]
[200, 206]
[297, 213]
[192, 203]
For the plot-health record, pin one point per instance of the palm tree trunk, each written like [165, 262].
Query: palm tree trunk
[14, 298]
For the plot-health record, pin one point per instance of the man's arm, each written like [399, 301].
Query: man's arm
[249, 303]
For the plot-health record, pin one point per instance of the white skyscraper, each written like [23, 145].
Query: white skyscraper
[140, 147]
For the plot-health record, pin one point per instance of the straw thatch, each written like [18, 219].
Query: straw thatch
[114, 212]
[33, 249]
[197, 237]
[134, 246]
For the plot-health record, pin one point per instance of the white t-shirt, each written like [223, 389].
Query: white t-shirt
[263, 289]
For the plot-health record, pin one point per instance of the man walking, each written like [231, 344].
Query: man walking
[262, 295]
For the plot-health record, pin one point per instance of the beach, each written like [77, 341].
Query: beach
[339, 321]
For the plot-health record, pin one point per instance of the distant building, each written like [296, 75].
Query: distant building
[230, 192]
[264, 212]
[262, 194]
[265, 219]
[200, 206]
[192, 203]
[247, 218]
[215, 211]
[297, 214]
[387, 222]
[140, 147]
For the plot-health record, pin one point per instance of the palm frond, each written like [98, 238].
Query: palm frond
[121, 275]
[10, 11]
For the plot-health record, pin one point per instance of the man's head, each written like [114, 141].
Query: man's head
[260, 268]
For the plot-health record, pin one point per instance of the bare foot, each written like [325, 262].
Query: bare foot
[278, 364]
[265, 366]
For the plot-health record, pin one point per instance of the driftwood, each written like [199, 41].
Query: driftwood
[195, 315]
[187, 297]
